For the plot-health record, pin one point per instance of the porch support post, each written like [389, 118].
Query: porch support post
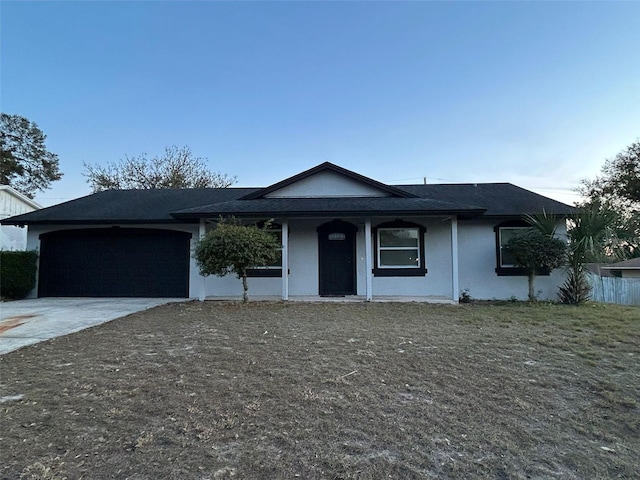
[285, 260]
[202, 231]
[454, 259]
[368, 260]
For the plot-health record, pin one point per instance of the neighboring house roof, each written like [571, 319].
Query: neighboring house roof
[596, 269]
[631, 264]
[23, 203]
[174, 205]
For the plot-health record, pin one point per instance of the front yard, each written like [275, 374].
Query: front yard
[330, 391]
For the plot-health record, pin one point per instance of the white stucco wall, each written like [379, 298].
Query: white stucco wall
[327, 184]
[477, 264]
[303, 257]
[231, 286]
[437, 250]
[13, 238]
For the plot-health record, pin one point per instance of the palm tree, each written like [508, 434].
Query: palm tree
[591, 232]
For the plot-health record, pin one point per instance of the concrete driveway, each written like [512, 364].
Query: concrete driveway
[25, 322]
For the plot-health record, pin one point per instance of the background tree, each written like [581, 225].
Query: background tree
[25, 162]
[620, 177]
[535, 251]
[176, 168]
[234, 248]
[617, 189]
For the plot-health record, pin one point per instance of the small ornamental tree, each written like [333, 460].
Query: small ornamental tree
[235, 248]
[536, 251]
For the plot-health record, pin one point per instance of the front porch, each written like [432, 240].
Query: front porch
[346, 260]
[340, 299]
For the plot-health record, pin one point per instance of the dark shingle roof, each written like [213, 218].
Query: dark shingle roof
[128, 206]
[175, 205]
[499, 199]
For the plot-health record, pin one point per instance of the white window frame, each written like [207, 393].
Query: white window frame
[381, 248]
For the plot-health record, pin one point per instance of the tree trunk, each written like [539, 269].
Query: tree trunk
[532, 293]
[245, 286]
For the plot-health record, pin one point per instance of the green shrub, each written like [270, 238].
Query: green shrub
[17, 273]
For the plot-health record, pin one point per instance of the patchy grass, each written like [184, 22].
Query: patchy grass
[335, 391]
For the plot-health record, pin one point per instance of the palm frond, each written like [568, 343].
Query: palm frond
[545, 223]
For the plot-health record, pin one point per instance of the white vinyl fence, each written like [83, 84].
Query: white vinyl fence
[623, 291]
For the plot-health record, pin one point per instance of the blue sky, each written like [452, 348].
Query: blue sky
[537, 94]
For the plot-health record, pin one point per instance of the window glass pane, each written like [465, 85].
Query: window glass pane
[401, 237]
[506, 234]
[278, 262]
[277, 233]
[400, 258]
[507, 259]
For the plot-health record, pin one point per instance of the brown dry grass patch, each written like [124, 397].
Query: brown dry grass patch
[335, 391]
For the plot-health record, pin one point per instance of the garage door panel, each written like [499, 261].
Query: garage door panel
[116, 262]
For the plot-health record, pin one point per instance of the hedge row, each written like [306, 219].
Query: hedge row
[17, 273]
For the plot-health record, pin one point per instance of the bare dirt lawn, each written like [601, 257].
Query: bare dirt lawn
[329, 391]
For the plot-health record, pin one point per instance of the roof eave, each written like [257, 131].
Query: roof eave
[334, 213]
[12, 191]
[620, 268]
[112, 221]
[520, 215]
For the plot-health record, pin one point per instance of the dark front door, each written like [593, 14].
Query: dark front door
[337, 253]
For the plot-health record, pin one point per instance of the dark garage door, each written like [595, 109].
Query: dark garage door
[114, 262]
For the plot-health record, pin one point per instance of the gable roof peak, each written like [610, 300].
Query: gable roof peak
[330, 167]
